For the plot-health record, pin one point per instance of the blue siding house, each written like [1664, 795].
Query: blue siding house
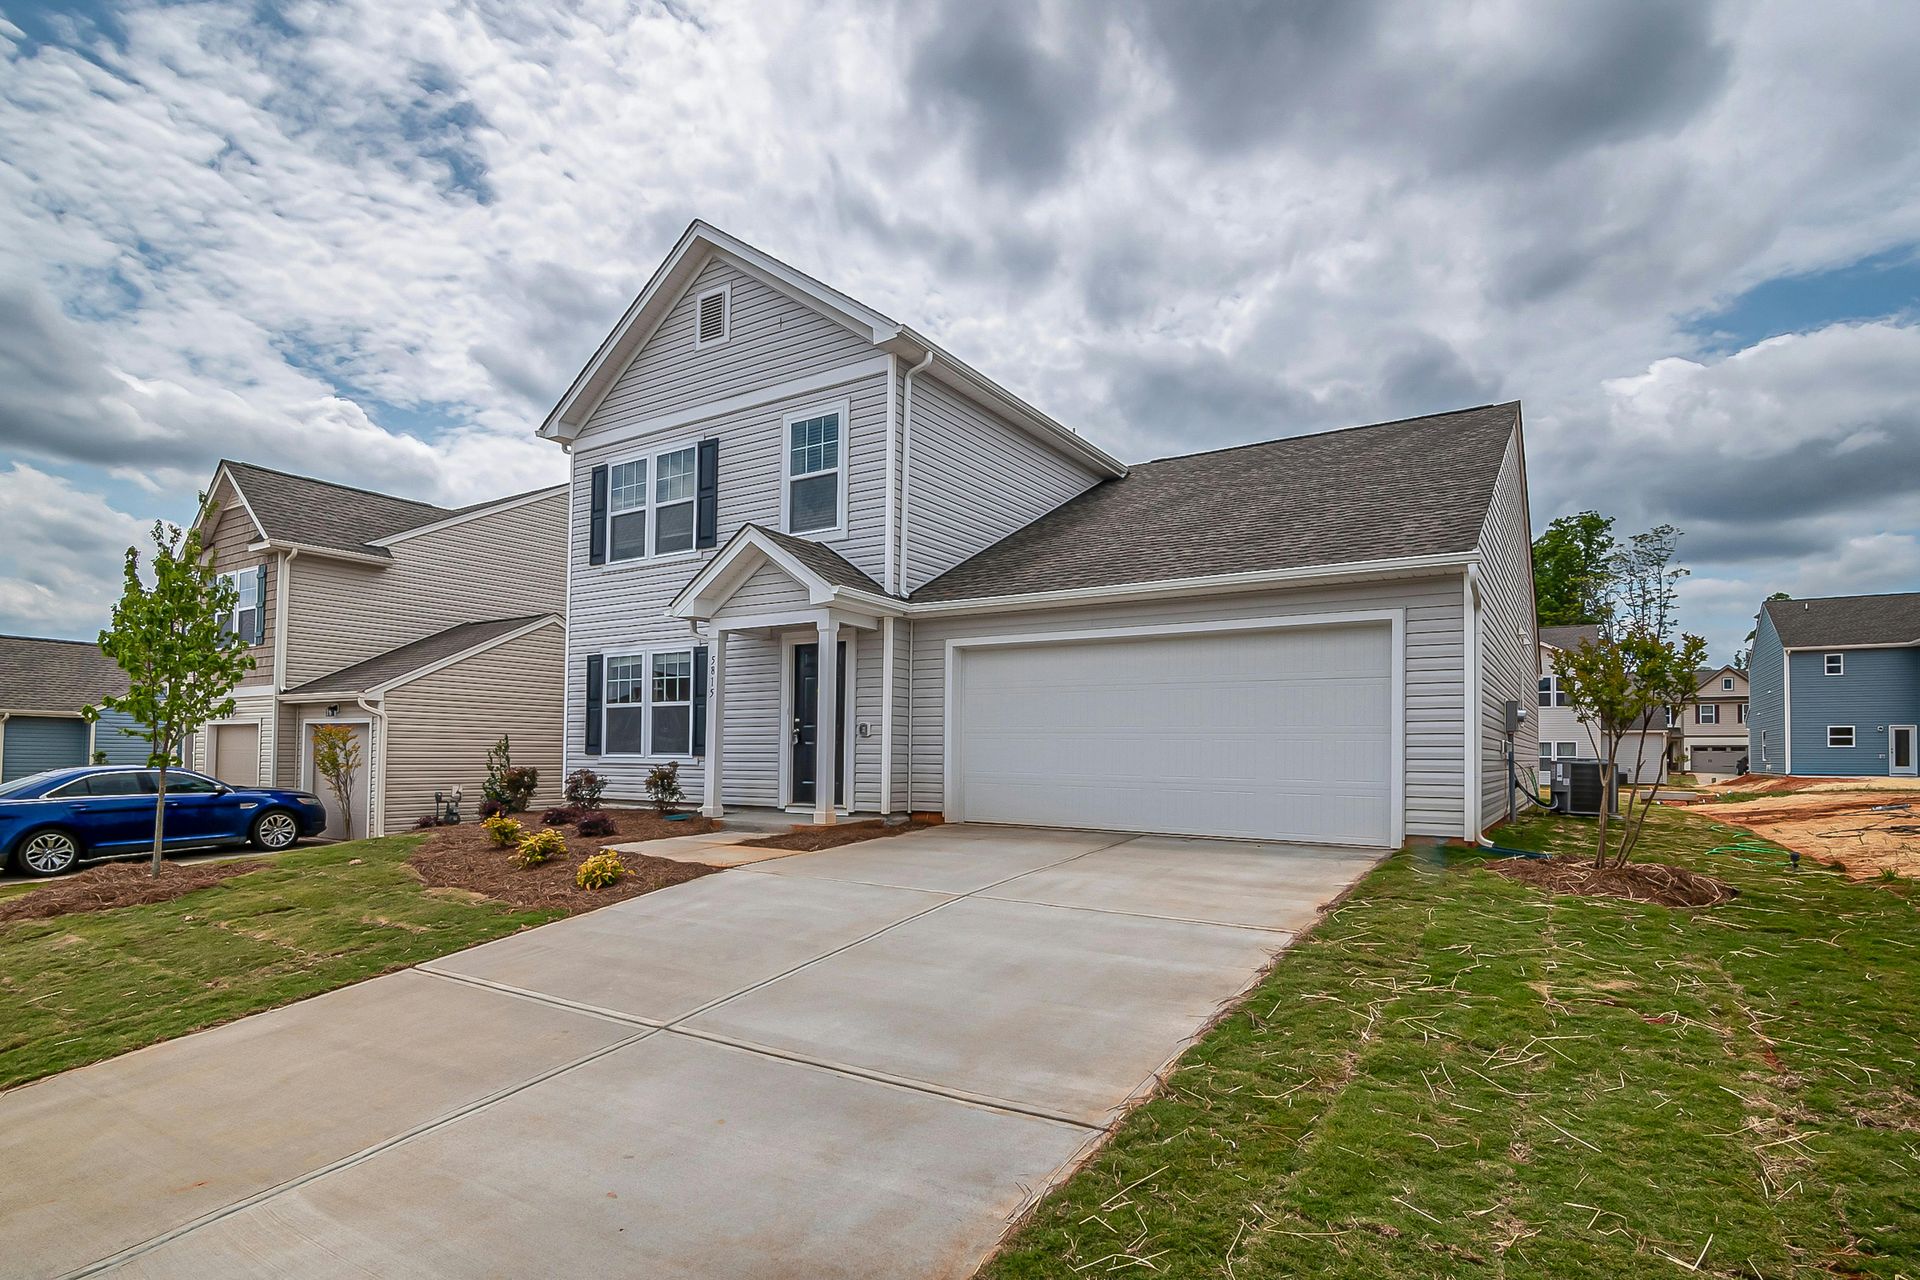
[45, 687]
[1836, 687]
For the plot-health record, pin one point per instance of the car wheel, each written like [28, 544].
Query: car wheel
[47, 853]
[275, 830]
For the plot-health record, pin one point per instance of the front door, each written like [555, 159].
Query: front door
[806, 723]
[1901, 748]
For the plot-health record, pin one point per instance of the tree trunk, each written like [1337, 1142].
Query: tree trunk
[159, 821]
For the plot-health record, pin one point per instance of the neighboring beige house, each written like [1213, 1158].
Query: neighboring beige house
[825, 565]
[1713, 731]
[1565, 736]
[429, 632]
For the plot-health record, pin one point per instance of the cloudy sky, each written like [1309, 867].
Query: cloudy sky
[372, 241]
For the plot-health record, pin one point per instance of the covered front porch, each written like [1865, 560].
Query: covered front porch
[769, 607]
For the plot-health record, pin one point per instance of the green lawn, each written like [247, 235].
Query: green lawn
[78, 988]
[1458, 1076]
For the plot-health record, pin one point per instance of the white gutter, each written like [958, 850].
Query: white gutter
[894, 427]
[1470, 635]
[906, 470]
[4, 717]
[1786, 709]
[376, 769]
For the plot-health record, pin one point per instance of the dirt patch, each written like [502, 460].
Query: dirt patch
[1655, 882]
[1865, 832]
[464, 858]
[811, 839]
[119, 884]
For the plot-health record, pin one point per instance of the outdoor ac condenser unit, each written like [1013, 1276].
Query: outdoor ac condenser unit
[1580, 787]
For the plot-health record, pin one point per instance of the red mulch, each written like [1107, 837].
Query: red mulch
[465, 857]
[810, 839]
[1657, 882]
[118, 884]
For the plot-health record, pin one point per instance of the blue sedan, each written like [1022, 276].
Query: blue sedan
[51, 821]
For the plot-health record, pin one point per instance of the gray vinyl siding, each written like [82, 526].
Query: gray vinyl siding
[621, 607]
[110, 735]
[440, 726]
[975, 478]
[1435, 688]
[768, 590]
[1766, 705]
[34, 743]
[226, 540]
[1879, 687]
[1508, 640]
[775, 339]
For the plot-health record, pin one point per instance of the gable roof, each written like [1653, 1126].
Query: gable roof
[827, 576]
[55, 675]
[1394, 490]
[322, 515]
[395, 666]
[1847, 620]
[1569, 637]
[833, 567]
[701, 242]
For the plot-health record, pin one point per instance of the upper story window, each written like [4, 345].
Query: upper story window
[651, 518]
[1740, 713]
[813, 497]
[1836, 664]
[1707, 713]
[1726, 682]
[1551, 694]
[713, 318]
[245, 618]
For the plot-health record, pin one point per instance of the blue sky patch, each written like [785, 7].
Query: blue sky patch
[1885, 284]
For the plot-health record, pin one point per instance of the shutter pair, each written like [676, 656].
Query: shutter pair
[259, 605]
[596, 700]
[706, 504]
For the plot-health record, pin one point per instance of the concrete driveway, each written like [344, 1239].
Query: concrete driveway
[862, 1062]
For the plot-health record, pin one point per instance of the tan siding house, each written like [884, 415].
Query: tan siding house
[828, 567]
[376, 612]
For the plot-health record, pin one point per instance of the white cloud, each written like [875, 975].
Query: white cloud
[65, 576]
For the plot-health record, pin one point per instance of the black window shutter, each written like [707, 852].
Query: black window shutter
[706, 507]
[593, 704]
[259, 603]
[597, 537]
[700, 700]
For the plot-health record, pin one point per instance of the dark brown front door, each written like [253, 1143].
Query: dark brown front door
[806, 723]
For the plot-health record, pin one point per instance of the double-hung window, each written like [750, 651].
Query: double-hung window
[1839, 735]
[1551, 694]
[627, 510]
[1740, 713]
[815, 495]
[647, 704]
[244, 619]
[1836, 664]
[650, 505]
[1708, 713]
[1551, 751]
[673, 484]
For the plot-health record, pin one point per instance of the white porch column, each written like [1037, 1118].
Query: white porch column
[716, 721]
[826, 720]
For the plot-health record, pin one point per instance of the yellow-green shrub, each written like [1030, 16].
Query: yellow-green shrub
[599, 871]
[503, 830]
[541, 846]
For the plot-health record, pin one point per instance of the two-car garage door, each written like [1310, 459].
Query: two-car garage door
[1283, 734]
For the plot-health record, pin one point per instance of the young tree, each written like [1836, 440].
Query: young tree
[1572, 569]
[181, 662]
[1643, 578]
[336, 757]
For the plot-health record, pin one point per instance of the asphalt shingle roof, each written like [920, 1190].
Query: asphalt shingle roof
[413, 656]
[1887, 619]
[825, 561]
[1569, 637]
[320, 513]
[55, 675]
[1418, 486]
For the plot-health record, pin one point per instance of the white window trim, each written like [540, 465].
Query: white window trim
[243, 601]
[645, 658]
[649, 511]
[1853, 739]
[652, 705]
[725, 292]
[1726, 682]
[844, 408]
[1740, 713]
[1700, 713]
[1829, 667]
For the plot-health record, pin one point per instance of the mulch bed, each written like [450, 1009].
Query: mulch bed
[118, 884]
[810, 839]
[464, 857]
[1657, 882]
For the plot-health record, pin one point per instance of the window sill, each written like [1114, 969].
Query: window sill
[641, 562]
[643, 759]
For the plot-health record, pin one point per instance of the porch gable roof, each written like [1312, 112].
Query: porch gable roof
[828, 578]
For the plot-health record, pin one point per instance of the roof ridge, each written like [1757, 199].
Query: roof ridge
[1333, 431]
[1869, 595]
[11, 635]
[335, 484]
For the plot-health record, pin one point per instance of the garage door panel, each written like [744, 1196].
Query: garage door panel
[1279, 734]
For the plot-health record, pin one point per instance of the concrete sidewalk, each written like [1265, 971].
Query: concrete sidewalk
[861, 1062]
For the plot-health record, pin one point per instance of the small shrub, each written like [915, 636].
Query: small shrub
[663, 786]
[519, 784]
[492, 808]
[596, 824]
[541, 846]
[584, 788]
[599, 871]
[425, 821]
[503, 830]
[559, 817]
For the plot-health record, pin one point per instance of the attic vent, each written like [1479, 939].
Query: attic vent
[714, 318]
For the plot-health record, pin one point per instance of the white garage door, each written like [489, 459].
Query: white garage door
[1280, 734]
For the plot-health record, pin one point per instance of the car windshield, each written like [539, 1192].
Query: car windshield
[27, 785]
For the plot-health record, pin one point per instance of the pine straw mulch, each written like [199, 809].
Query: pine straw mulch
[464, 857]
[119, 884]
[1656, 882]
[811, 839]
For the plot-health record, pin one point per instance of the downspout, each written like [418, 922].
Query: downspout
[376, 767]
[1470, 685]
[4, 717]
[900, 581]
[283, 581]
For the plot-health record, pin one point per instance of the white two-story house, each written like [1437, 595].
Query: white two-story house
[783, 501]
